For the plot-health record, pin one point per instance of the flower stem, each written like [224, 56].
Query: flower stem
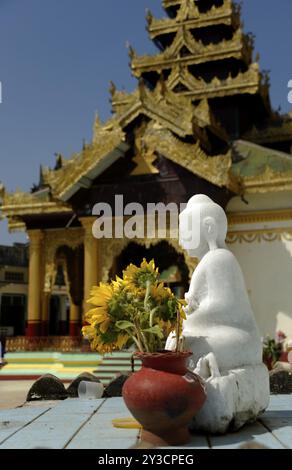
[139, 336]
[177, 331]
[147, 294]
[153, 311]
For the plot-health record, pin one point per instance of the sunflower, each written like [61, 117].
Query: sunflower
[99, 316]
[100, 295]
[100, 345]
[160, 292]
[138, 277]
[166, 326]
[135, 309]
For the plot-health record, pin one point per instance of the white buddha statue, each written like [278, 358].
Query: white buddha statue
[220, 328]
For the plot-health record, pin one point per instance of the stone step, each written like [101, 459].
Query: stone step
[66, 366]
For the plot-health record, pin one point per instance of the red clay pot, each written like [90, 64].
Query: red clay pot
[164, 396]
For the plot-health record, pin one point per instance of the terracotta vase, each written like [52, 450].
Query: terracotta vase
[164, 396]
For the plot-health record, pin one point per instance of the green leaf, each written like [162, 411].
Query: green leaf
[124, 325]
[155, 330]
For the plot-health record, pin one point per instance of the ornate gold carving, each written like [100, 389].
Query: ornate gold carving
[239, 47]
[269, 180]
[107, 139]
[188, 10]
[144, 157]
[191, 157]
[258, 236]
[20, 203]
[259, 217]
[55, 239]
[161, 105]
[16, 225]
[188, 13]
[246, 82]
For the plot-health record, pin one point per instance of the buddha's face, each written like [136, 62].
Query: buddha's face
[191, 233]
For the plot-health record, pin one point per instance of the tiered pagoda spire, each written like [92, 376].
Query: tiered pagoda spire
[204, 54]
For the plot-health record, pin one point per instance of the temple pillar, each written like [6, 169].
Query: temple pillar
[34, 286]
[75, 320]
[91, 260]
[45, 313]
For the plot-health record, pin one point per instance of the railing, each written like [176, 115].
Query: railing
[45, 343]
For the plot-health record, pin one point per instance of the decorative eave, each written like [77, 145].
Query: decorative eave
[170, 109]
[249, 82]
[239, 47]
[226, 14]
[17, 204]
[215, 169]
[79, 172]
[261, 169]
[278, 130]
[15, 225]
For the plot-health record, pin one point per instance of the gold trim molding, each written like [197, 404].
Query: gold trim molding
[259, 217]
[253, 236]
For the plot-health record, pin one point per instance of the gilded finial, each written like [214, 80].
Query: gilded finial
[97, 122]
[149, 17]
[59, 161]
[131, 51]
[42, 179]
[112, 88]
[2, 191]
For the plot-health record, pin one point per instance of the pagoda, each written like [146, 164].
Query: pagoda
[199, 121]
[205, 55]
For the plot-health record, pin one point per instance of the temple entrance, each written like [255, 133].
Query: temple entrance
[66, 296]
[12, 314]
[172, 266]
[59, 315]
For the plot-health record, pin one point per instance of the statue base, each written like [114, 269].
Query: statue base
[234, 399]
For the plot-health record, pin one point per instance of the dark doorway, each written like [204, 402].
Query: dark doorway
[171, 264]
[59, 316]
[12, 313]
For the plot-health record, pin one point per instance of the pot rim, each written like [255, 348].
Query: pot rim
[163, 354]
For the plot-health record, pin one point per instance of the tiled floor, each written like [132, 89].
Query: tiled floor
[13, 393]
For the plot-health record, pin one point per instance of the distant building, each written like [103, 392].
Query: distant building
[13, 289]
[14, 275]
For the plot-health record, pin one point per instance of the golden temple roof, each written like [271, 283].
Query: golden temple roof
[189, 15]
[261, 169]
[249, 82]
[239, 47]
[278, 128]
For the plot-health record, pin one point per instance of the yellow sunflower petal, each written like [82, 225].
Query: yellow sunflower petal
[104, 325]
[122, 340]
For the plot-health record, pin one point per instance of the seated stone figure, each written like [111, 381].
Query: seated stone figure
[220, 328]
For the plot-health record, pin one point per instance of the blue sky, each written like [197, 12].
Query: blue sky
[58, 56]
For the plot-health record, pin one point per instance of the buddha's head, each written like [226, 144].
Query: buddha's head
[202, 226]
